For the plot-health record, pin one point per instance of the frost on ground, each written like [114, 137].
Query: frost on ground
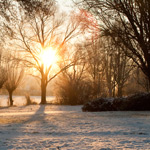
[51, 127]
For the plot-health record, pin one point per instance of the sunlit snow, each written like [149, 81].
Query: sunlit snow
[53, 127]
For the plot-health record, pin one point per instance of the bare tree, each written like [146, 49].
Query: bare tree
[15, 74]
[38, 27]
[132, 27]
[117, 67]
[94, 58]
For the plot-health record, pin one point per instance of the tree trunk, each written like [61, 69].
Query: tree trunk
[119, 91]
[43, 91]
[10, 98]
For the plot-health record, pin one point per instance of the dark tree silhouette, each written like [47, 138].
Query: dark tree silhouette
[128, 22]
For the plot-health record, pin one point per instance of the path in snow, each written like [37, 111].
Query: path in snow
[68, 128]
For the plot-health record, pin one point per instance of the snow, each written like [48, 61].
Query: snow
[53, 127]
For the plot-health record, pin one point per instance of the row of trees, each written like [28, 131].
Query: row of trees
[115, 44]
[102, 70]
[127, 23]
[123, 53]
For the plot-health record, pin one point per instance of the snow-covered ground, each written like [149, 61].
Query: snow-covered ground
[51, 127]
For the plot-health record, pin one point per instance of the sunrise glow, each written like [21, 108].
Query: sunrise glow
[48, 56]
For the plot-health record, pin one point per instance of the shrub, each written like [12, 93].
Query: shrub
[72, 91]
[28, 99]
[137, 102]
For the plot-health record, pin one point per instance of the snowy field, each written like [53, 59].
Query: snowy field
[52, 127]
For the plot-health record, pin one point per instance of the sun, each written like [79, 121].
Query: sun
[48, 56]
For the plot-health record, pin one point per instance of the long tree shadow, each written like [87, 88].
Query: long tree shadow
[24, 128]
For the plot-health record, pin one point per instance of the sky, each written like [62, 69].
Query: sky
[65, 5]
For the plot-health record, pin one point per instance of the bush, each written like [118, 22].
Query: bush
[137, 102]
[28, 99]
[73, 94]
[72, 91]
[101, 104]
